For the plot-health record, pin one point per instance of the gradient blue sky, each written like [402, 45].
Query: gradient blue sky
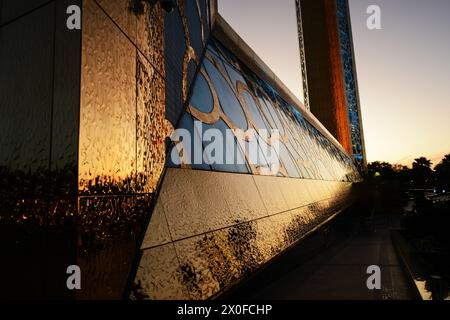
[403, 69]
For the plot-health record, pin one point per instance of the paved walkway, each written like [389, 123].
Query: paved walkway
[339, 272]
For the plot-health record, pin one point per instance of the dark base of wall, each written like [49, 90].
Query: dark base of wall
[337, 228]
[34, 262]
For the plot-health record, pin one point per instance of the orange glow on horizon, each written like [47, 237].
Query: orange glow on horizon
[403, 70]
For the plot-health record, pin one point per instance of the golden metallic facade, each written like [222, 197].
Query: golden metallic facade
[97, 180]
[121, 137]
[211, 229]
[122, 108]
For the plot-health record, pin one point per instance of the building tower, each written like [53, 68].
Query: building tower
[329, 73]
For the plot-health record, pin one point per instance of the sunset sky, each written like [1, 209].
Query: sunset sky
[403, 69]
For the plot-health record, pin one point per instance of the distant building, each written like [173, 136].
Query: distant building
[329, 74]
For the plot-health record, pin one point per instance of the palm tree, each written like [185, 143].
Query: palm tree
[443, 171]
[422, 162]
[422, 171]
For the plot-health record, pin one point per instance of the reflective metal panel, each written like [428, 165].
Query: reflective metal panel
[66, 105]
[196, 198]
[151, 125]
[12, 9]
[107, 163]
[271, 195]
[150, 35]
[194, 25]
[107, 232]
[224, 226]
[121, 12]
[158, 277]
[157, 232]
[26, 82]
[174, 51]
[242, 197]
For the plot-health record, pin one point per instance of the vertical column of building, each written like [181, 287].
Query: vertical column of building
[324, 67]
[340, 112]
[302, 54]
[39, 106]
[121, 137]
[351, 84]
[331, 78]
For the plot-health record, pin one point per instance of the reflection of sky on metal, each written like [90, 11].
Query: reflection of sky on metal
[403, 69]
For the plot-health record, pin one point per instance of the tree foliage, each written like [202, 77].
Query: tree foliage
[442, 171]
[421, 173]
